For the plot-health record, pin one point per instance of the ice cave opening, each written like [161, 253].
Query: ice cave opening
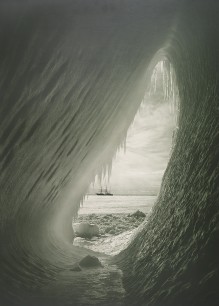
[69, 91]
[121, 199]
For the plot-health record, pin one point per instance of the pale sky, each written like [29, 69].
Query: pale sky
[140, 169]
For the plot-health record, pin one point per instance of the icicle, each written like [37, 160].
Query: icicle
[163, 72]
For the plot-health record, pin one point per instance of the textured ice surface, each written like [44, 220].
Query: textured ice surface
[72, 77]
[111, 245]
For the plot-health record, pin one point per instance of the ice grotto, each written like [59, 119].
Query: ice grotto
[73, 75]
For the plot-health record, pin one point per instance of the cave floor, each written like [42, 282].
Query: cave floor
[91, 286]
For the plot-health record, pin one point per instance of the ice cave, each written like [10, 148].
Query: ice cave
[73, 75]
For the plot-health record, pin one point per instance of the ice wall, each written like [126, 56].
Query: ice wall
[174, 260]
[73, 75]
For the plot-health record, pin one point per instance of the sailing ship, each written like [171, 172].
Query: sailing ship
[104, 193]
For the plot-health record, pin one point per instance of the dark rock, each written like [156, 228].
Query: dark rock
[138, 214]
[90, 262]
[76, 268]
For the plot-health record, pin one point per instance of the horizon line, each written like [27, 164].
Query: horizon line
[127, 194]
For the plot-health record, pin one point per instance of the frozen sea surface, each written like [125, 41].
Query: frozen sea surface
[111, 245]
[117, 204]
[101, 205]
